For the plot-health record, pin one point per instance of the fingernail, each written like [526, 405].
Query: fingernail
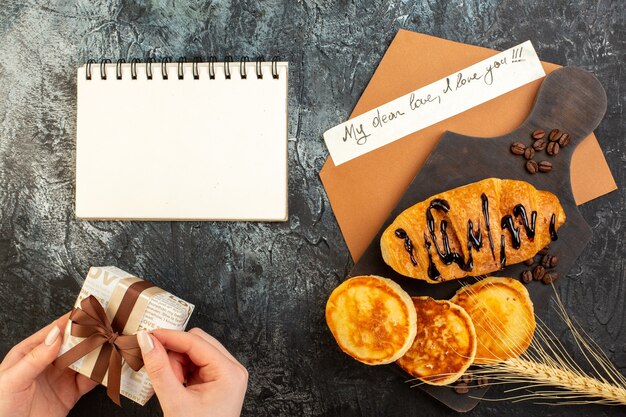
[145, 341]
[52, 336]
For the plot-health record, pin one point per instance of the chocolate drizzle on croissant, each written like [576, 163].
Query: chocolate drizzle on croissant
[408, 244]
[485, 207]
[441, 240]
[520, 211]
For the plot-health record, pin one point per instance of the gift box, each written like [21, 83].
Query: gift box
[100, 340]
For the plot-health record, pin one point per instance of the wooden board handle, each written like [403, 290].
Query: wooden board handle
[569, 99]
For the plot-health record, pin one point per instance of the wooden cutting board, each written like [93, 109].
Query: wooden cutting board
[571, 100]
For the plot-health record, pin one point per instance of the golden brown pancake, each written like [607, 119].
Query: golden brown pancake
[445, 343]
[503, 317]
[372, 318]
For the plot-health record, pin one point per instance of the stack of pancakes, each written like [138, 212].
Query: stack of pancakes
[376, 322]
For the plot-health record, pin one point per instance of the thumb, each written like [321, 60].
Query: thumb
[29, 367]
[157, 364]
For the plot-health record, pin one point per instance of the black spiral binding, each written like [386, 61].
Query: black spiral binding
[194, 68]
[227, 60]
[180, 63]
[133, 68]
[88, 68]
[212, 61]
[242, 67]
[118, 69]
[149, 62]
[181, 73]
[259, 73]
[164, 63]
[103, 71]
[275, 67]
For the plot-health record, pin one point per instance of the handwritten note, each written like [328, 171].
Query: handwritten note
[433, 103]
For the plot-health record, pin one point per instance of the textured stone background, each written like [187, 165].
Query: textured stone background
[261, 288]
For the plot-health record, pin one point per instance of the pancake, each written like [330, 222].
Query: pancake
[445, 343]
[503, 317]
[372, 318]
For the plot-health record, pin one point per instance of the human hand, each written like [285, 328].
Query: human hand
[215, 381]
[31, 386]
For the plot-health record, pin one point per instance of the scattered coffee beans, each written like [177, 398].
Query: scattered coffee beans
[461, 388]
[553, 148]
[554, 261]
[529, 153]
[544, 267]
[532, 167]
[550, 261]
[545, 166]
[550, 277]
[551, 143]
[538, 134]
[539, 272]
[466, 379]
[540, 145]
[518, 148]
[482, 381]
[554, 135]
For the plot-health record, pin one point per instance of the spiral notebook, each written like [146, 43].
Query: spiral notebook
[182, 140]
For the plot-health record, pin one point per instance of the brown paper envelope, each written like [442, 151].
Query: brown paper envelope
[365, 190]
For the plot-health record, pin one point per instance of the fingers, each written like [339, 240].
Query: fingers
[212, 359]
[23, 372]
[213, 341]
[216, 343]
[179, 363]
[25, 346]
[165, 382]
[201, 352]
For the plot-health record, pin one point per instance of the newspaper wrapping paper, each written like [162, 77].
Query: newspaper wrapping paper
[154, 309]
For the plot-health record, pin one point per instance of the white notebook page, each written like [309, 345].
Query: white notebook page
[205, 149]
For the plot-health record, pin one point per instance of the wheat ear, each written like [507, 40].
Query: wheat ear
[547, 363]
[573, 385]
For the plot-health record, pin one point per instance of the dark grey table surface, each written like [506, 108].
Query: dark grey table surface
[259, 287]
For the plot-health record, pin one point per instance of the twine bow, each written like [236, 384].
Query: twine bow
[91, 322]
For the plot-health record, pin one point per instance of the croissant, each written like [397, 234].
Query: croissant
[472, 230]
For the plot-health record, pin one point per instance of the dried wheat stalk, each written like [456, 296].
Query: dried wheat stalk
[547, 373]
[547, 364]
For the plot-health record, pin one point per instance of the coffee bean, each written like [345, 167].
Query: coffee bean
[550, 277]
[538, 272]
[529, 153]
[527, 277]
[554, 135]
[544, 250]
[532, 167]
[545, 166]
[538, 134]
[466, 379]
[545, 261]
[564, 140]
[554, 261]
[540, 145]
[461, 388]
[482, 381]
[518, 148]
[529, 262]
[553, 148]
